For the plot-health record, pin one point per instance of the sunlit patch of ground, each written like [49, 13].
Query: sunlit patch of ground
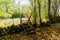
[9, 22]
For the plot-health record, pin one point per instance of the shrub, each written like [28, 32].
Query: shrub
[17, 15]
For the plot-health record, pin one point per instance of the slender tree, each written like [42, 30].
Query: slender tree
[55, 9]
[39, 10]
[6, 6]
[49, 14]
[34, 11]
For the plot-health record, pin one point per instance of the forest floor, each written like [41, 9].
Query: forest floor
[42, 33]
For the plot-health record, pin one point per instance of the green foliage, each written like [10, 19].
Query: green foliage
[17, 15]
[16, 10]
[5, 15]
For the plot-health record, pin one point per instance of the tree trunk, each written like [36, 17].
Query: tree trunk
[49, 14]
[39, 11]
[55, 9]
[6, 6]
[34, 11]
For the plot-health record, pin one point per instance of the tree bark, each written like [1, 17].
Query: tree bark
[34, 11]
[6, 6]
[39, 11]
[49, 14]
[55, 9]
